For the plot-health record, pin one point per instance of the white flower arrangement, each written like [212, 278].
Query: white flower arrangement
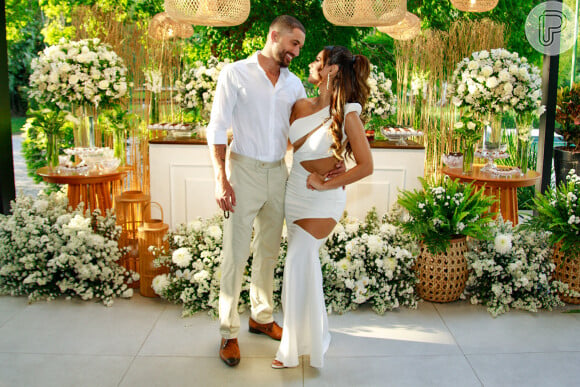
[85, 72]
[194, 258]
[495, 82]
[153, 80]
[369, 262]
[196, 88]
[366, 262]
[512, 270]
[382, 102]
[47, 252]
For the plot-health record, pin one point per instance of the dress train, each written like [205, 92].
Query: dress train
[305, 320]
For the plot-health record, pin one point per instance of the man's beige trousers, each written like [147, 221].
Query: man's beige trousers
[259, 188]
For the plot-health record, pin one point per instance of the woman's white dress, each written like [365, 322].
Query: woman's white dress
[305, 320]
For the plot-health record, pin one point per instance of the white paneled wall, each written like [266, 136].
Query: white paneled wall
[182, 181]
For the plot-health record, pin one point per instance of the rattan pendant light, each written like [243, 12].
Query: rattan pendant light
[364, 13]
[216, 13]
[164, 27]
[406, 29]
[474, 5]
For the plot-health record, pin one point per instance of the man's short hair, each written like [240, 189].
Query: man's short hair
[288, 23]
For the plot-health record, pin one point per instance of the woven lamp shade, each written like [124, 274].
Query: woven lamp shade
[216, 13]
[132, 208]
[151, 233]
[164, 27]
[406, 29]
[474, 5]
[364, 13]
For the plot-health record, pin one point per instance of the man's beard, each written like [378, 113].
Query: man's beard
[281, 55]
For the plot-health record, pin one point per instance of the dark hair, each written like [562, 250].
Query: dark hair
[349, 85]
[288, 23]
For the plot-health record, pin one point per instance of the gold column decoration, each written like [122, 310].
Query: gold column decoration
[216, 13]
[163, 27]
[364, 13]
[474, 5]
[406, 29]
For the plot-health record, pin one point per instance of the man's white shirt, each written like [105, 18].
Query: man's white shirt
[257, 111]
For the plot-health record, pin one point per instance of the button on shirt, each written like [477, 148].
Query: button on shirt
[257, 111]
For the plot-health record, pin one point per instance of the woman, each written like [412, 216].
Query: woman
[323, 130]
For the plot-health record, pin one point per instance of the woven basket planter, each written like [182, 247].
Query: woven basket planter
[442, 277]
[567, 271]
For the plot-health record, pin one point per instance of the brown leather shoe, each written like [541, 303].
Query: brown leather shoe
[271, 329]
[230, 352]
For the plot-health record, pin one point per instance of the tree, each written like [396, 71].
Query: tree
[240, 41]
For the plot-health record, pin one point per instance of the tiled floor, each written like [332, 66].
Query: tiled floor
[145, 342]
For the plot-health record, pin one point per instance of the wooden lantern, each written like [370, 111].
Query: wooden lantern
[151, 233]
[131, 208]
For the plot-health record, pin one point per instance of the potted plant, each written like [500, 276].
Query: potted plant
[559, 213]
[441, 216]
[568, 116]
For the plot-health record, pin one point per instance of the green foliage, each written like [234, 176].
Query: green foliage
[241, 41]
[445, 209]
[16, 123]
[24, 41]
[525, 194]
[469, 128]
[568, 114]
[118, 120]
[34, 144]
[558, 212]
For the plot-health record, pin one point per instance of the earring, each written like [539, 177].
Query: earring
[327, 81]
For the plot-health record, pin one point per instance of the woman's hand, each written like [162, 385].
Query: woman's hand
[315, 181]
[339, 169]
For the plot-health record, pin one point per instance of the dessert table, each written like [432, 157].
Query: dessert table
[503, 188]
[95, 189]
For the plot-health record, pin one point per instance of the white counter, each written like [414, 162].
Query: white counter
[182, 179]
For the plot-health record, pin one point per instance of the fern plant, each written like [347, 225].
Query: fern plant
[446, 209]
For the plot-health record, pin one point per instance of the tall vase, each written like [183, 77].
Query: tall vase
[154, 109]
[492, 131]
[120, 146]
[85, 132]
[51, 150]
[523, 133]
[468, 156]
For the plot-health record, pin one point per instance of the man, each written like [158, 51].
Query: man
[254, 97]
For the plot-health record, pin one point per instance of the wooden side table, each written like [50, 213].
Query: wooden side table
[95, 189]
[503, 188]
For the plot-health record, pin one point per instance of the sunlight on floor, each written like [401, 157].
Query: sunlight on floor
[398, 333]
